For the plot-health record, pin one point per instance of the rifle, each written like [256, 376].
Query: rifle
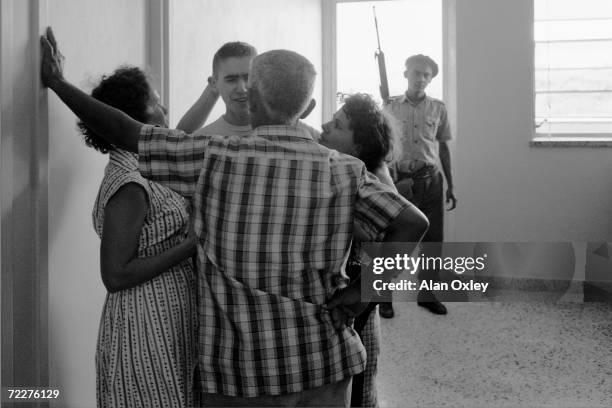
[382, 69]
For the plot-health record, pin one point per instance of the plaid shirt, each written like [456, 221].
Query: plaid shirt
[274, 216]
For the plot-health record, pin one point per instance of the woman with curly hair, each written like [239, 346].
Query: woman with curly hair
[360, 128]
[146, 343]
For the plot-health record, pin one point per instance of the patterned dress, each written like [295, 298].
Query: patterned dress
[146, 343]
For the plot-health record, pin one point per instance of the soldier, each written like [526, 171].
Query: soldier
[425, 126]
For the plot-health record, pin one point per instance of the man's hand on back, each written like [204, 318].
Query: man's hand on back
[345, 305]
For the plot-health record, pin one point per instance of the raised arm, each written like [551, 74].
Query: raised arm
[196, 116]
[110, 123]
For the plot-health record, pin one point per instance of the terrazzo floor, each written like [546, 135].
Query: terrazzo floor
[535, 352]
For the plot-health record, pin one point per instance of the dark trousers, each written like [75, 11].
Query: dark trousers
[428, 196]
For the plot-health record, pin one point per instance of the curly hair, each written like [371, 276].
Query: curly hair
[374, 131]
[126, 89]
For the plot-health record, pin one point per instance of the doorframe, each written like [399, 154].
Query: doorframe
[329, 9]
[24, 280]
[158, 47]
[449, 69]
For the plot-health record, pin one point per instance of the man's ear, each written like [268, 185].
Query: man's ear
[309, 108]
[212, 81]
[406, 74]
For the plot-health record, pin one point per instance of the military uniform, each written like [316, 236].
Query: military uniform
[424, 123]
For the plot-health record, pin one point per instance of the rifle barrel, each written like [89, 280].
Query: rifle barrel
[376, 24]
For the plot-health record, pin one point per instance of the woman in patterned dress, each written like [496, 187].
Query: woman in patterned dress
[360, 128]
[146, 343]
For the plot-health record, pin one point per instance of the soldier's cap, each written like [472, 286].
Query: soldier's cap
[425, 59]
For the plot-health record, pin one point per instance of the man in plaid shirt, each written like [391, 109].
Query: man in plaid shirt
[274, 215]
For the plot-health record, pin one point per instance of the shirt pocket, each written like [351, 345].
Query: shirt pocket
[430, 126]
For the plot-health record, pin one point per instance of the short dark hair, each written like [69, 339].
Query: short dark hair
[126, 89]
[424, 59]
[235, 49]
[374, 131]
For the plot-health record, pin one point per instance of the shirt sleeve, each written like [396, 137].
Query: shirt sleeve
[444, 133]
[171, 157]
[377, 206]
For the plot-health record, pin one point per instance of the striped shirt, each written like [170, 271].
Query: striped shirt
[274, 216]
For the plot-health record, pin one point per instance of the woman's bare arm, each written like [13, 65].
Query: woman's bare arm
[124, 216]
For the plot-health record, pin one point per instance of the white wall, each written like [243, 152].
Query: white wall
[199, 27]
[507, 190]
[95, 36]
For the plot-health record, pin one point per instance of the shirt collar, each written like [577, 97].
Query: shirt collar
[282, 130]
[229, 125]
[406, 99]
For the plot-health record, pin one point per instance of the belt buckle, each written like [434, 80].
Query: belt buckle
[415, 166]
[409, 167]
[423, 171]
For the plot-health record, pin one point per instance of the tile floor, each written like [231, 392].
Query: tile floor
[533, 352]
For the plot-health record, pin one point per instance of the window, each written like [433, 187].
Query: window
[573, 67]
[406, 27]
